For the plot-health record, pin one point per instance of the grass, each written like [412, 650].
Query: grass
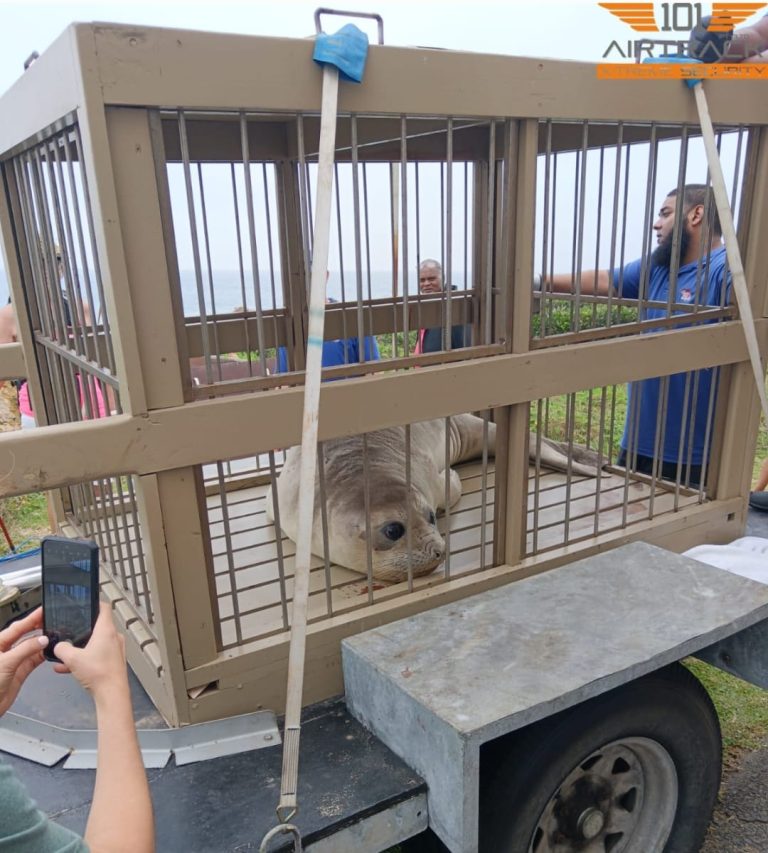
[761, 451]
[741, 707]
[26, 518]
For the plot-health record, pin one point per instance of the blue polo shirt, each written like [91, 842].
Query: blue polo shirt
[686, 414]
[337, 352]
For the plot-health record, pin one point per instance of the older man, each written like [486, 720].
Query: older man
[431, 340]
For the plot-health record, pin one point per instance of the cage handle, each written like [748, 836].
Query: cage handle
[370, 15]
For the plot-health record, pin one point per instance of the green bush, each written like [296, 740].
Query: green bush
[386, 348]
[561, 319]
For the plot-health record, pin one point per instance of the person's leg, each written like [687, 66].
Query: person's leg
[758, 498]
[762, 478]
[640, 464]
[690, 475]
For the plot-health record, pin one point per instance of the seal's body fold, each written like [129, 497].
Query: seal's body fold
[383, 490]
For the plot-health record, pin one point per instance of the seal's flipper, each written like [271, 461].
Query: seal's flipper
[564, 457]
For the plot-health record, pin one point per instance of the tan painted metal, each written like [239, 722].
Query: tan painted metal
[12, 363]
[196, 433]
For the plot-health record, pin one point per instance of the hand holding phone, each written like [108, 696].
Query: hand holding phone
[100, 667]
[19, 657]
[70, 591]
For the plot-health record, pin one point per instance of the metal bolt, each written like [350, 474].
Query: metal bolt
[591, 823]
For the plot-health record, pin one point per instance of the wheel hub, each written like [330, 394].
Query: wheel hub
[622, 798]
[591, 823]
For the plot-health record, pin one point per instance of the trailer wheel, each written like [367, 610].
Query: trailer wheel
[633, 771]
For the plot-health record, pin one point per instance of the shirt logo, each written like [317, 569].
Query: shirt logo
[686, 294]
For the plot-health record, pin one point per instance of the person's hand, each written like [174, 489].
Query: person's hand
[18, 661]
[708, 46]
[100, 666]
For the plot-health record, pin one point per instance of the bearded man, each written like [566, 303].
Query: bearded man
[665, 430]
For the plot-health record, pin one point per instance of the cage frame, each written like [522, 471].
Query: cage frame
[115, 79]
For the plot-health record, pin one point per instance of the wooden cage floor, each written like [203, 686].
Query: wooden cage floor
[261, 602]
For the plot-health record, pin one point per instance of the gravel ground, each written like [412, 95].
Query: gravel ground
[9, 408]
[740, 822]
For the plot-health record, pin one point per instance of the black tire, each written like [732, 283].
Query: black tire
[547, 787]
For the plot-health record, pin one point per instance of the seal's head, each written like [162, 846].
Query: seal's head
[399, 521]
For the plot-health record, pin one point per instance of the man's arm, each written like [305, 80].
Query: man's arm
[121, 812]
[7, 324]
[743, 45]
[7, 328]
[748, 43]
[593, 283]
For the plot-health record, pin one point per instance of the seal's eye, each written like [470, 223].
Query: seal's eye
[431, 518]
[393, 531]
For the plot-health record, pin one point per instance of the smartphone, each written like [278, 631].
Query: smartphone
[70, 591]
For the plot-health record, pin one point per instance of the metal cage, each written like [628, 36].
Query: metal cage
[157, 221]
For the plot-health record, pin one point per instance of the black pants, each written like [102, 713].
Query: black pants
[690, 475]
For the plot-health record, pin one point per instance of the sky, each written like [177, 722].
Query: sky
[577, 29]
[535, 28]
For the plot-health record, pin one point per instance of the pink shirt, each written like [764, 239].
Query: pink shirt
[97, 403]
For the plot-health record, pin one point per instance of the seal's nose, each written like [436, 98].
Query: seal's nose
[437, 550]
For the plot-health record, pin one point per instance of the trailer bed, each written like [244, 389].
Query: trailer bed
[354, 793]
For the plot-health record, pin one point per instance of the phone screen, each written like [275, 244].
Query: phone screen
[70, 591]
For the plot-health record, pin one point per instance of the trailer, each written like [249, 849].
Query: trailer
[525, 693]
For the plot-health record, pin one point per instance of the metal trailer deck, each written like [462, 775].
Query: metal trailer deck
[355, 794]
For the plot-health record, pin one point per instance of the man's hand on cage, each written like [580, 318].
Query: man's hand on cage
[537, 285]
[708, 46]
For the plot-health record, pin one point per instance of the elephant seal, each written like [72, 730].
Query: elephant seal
[392, 506]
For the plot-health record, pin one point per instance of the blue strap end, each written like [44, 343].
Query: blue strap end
[690, 82]
[347, 50]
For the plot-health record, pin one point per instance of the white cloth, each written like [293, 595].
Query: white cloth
[747, 557]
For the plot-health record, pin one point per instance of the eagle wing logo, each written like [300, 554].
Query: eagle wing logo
[639, 16]
[726, 16]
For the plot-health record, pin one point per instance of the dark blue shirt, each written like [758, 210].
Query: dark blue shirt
[688, 399]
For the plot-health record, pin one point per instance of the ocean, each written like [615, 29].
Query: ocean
[228, 293]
